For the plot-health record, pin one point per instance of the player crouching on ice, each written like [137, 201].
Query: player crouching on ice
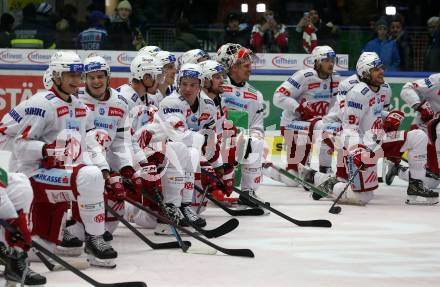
[370, 132]
[48, 136]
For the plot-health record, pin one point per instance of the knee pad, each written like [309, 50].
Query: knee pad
[90, 182]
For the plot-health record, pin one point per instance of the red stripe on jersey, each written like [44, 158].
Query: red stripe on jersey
[248, 95]
[2, 130]
[314, 86]
[25, 133]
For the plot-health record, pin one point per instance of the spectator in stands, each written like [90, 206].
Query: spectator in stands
[96, 36]
[67, 28]
[122, 35]
[31, 33]
[432, 55]
[235, 31]
[6, 35]
[45, 16]
[269, 36]
[384, 47]
[316, 32]
[403, 41]
[185, 38]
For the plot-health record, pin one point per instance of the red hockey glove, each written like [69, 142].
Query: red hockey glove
[114, 188]
[306, 111]
[425, 110]
[393, 120]
[145, 138]
[56, 154]
[22, 238]
[127, 172]
[363, 157]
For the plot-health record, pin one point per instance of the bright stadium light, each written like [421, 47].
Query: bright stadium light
[390, 10]
[244, 8]
[261, 7]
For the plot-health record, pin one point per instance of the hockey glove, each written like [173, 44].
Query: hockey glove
[425, 110]
[363, 157]
[114, 188]
[306, 111]
[393, 120]
[22, 238]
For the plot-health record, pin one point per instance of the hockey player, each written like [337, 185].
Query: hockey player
[239, 95]
[149, 50]
[15, 202]
[48, 136]
[187, 111]
[168, 60]
[370, 132]
[305, 98]
[194, 56]
[422, 95]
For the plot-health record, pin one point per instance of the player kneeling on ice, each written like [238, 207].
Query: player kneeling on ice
[241, 99]
[183, 111]
[422, 95]
[371, 132]
[305, 98]
[15, 201]
[49, 138]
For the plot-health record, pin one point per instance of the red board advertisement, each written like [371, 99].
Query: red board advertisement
[15, 88]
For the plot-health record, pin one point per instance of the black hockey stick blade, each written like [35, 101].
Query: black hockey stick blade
[153, 245]
[69, 267]
[265, 205]
[228, 251]
[233, 212]
[223, 229]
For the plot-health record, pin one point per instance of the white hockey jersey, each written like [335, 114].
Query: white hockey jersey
[424, 89]
[112, 128]
[336, 111]
[247, 99]
[305, 85]
[365, 110]
[41, 120]
[130, 95]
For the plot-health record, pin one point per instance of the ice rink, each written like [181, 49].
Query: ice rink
[386, 243]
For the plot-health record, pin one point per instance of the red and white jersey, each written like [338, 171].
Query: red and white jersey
[247, 99]
[112, 128]
[428, 89]
[336, 111]
[365, 109]
[130, 95]
[40, 120]
[305, 85]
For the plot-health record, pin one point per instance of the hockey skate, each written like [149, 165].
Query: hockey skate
[245, 201]
[100, 253]
[393, 171]
[17, 269]
[70, 246]
[416, 189]
[174, 214]
[325, 169]
[191, 217]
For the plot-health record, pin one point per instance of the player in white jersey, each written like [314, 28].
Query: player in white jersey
[370, 132]
[239, 95]
[149, 50]
[194, 56]
[188, 112]
[15, 201]
[49, 136]
[423, 96]
[305, 98]
[168, 60]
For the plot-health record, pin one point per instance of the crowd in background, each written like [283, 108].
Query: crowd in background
[42, 27]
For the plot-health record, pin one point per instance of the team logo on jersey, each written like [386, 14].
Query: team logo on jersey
[73, 125]
[334, 85]
[52, 179]
[13, 114]
[35, 112]
[353, 82]
[101, 111]
[91, 107]
[428, 83]
[364, 91]
[382, 98]
[50, 96]
[204, 116]
[324, 86]
[61, 111]
[248, 95]
[312, 86]
[321, 107]
[294, 83]
[80, 112]
[135, 97]
[233, 102]
[355, 105]
[115, 112]
[308, 74]
[237, 93]
[298, 126]
[194, 118]
[172, 110]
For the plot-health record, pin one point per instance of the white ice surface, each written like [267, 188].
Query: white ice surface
[386, 243]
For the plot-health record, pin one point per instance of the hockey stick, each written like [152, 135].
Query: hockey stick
[266, 205]
[228, 251]
[69, 267]
[230, 211]
[164, 245]
[226, 227]
[80, 265]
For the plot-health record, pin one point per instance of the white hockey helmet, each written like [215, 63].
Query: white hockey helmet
[193, 57]
[366, 62]
[144, 64]
[165, 57]
[230, 54]
[47, 79]
[149, 50]
[190, 71]
[96, 63]
[320, 53]
[210, 68]
[65, 61]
